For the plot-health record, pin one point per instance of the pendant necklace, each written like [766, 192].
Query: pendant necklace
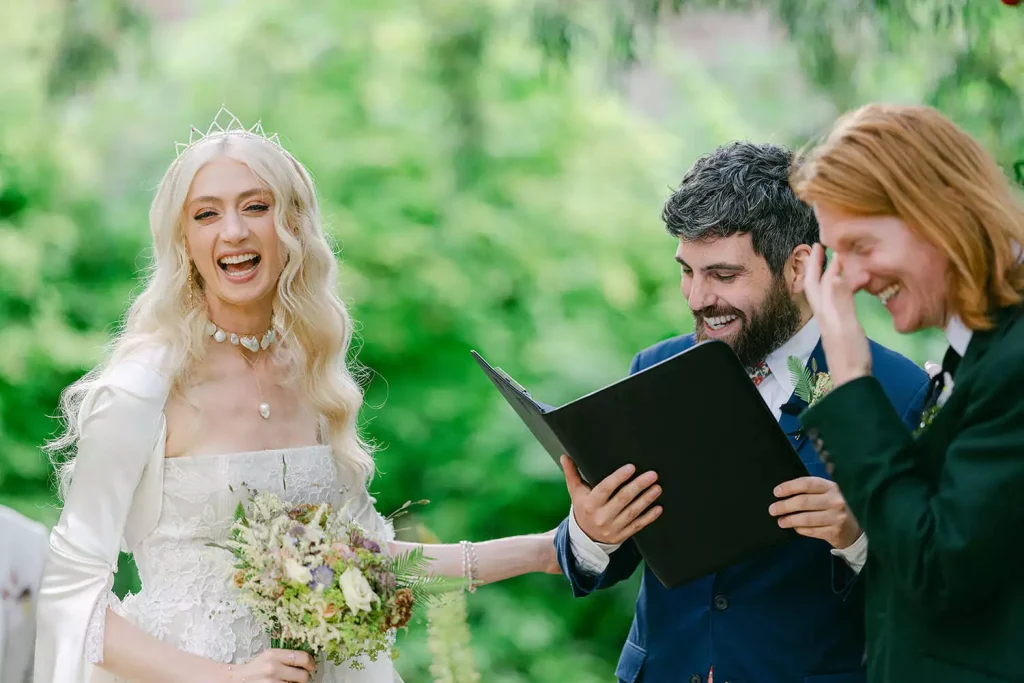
[253, 343]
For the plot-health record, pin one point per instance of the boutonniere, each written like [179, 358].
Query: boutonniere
[809, 384]
[929, 413]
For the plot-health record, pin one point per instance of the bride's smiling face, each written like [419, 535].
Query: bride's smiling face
[231, 236]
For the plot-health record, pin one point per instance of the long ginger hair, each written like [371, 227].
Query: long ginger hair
[913, 163]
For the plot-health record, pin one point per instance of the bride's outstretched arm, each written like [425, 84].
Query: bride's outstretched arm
[485, 562]
[489, 561]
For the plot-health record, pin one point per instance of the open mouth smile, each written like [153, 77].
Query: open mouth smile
[720, 326]
[888, 293]
[241, 266]
[718, 323]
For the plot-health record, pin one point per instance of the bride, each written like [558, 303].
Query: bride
[230, 370]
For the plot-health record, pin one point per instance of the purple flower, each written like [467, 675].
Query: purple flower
[297, 531]
[323, 577]
[365, 543]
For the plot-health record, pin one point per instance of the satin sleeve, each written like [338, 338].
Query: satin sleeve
[119, 429]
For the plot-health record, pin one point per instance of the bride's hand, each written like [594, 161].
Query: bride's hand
[273, 666]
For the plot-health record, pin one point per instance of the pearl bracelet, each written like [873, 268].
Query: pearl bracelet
[469, 565]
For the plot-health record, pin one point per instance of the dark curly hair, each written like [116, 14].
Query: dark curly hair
[743, 187]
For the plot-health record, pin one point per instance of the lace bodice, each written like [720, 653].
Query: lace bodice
[187, 597]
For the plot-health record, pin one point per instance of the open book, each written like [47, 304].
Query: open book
[699, 422]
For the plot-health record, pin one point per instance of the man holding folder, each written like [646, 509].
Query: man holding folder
[793, 614]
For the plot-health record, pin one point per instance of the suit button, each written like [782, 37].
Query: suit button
[721, 603]
[695, 678]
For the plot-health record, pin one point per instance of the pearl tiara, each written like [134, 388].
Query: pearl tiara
[233, 126]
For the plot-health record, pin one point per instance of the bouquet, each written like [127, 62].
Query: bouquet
[320, 582]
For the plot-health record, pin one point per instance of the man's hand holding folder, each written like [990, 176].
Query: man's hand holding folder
[612, 511]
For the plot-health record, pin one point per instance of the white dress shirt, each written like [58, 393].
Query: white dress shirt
[958, 335]
[776, 389]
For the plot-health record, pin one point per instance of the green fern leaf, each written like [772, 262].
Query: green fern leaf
[429, 588]
[803, 382]
[411, 570]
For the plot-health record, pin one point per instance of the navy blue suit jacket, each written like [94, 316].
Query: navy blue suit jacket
[794, 614]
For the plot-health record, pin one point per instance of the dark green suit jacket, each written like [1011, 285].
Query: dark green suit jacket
[944, 515]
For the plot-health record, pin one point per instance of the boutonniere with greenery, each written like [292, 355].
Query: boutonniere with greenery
[929, 413]
[808, 384]
[926, 418]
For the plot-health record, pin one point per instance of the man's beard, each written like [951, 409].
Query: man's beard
[770, 325]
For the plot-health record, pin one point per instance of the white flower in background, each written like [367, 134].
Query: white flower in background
[295, 571]
[358, 594]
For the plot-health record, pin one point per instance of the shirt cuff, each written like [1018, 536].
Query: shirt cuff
[856, 554]
[591, 557]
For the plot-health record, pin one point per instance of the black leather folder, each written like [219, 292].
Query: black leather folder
[699, 422]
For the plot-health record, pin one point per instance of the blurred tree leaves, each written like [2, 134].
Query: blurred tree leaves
[91, 36]
[51, 323]
[965, 58]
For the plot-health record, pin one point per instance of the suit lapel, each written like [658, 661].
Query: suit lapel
[791, 409]
[980, 342]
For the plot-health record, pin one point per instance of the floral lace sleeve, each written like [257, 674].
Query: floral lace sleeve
[97, 627]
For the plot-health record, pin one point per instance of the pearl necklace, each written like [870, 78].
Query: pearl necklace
[252, 342]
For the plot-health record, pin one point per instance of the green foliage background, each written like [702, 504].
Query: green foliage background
[489, 187]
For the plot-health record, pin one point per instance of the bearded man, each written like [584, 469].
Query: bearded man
[793, 614]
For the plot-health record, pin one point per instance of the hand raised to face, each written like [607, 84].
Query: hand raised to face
[830, 296]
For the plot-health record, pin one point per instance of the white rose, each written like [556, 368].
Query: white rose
[357, 591]
[295, 571]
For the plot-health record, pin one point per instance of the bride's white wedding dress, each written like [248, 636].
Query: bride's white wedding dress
[187, 597]
[166, 512]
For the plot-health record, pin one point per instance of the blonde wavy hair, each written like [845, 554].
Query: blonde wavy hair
[913, 163]
[317, 329]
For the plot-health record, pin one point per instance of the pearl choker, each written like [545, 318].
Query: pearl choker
[252, 342]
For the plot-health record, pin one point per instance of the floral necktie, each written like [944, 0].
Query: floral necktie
[759, 372]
